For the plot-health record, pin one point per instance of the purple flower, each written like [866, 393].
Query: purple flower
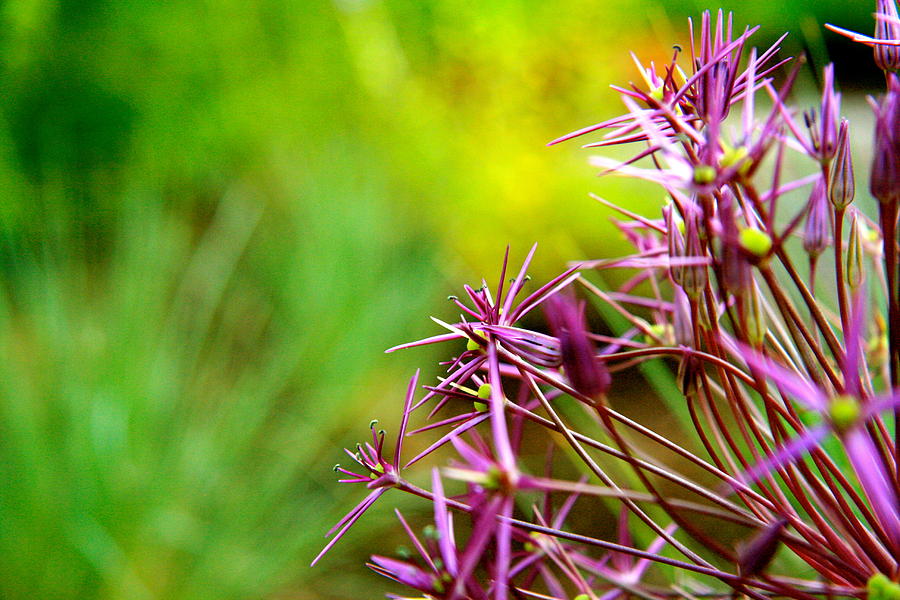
[379, 474]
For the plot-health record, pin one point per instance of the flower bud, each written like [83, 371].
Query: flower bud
[887, 56]
[756, 555]
[694, 277]
[817, 233]
[674, 239]
[735, 268]
[855, 254]
[756, 318]
[684, 242]
[831, 106]
[842, 184]
[683, 329]
[885, 179]
[579, 358]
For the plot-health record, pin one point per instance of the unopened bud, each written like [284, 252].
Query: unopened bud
[567, 323]
[736, 275]
[831, 103]
[885, 178]
[817, 233]
[842, 184]
[855, 252]
[756, 318]
[684, 243]
[674, 239]
[756, 555]
[683, 329]
[887, 56]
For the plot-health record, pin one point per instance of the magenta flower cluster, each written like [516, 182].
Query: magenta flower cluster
[770, 299]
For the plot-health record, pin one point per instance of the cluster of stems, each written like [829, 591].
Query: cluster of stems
[769, 303]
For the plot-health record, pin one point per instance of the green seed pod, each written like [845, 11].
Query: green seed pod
[493, 478]
[704, 174]
[378, 471]
[736, 157]
[755, 241]
[882, 588]
[844, 412]
[660, 334]
[484, 391]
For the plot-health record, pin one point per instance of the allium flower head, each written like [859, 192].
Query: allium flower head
[770, 468]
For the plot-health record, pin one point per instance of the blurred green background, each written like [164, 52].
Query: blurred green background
[216, 215]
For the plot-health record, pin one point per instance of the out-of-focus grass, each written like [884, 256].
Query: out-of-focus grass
[201, 266]
[216, 216]
[167, 425]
